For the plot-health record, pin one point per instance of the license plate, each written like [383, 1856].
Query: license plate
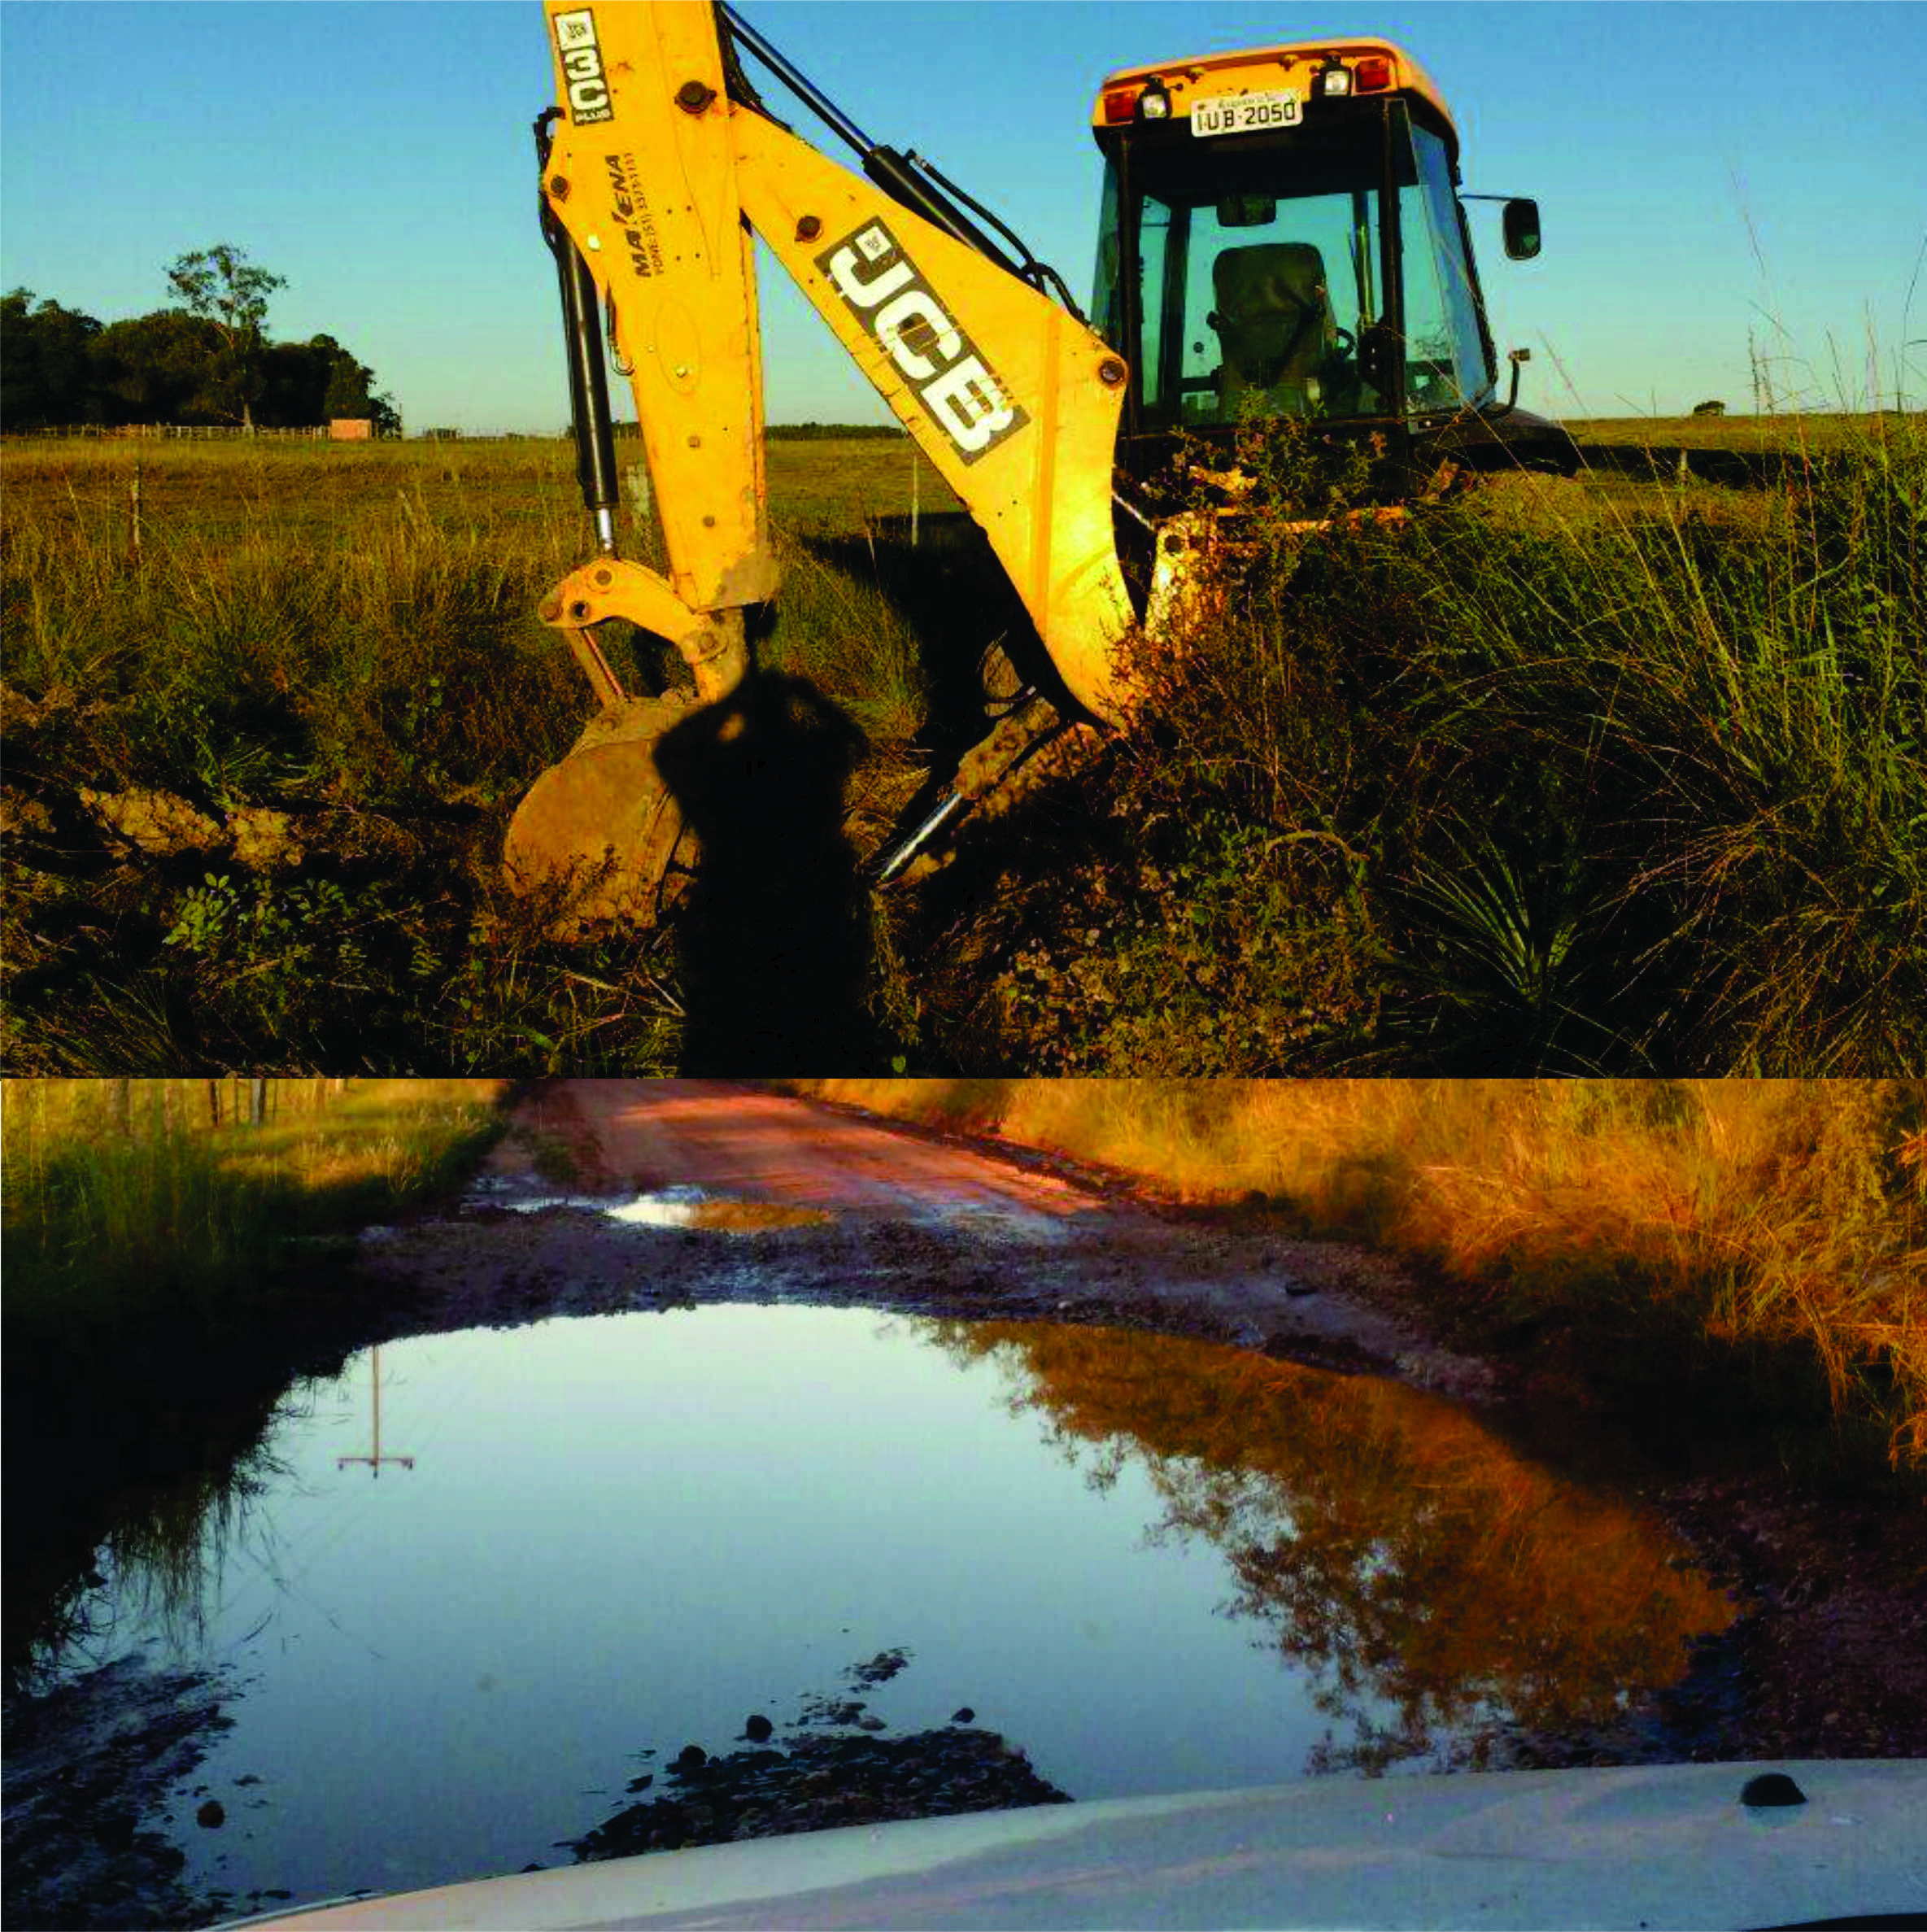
[1246, 113]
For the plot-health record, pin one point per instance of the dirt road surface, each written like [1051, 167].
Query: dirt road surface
[765, 1197]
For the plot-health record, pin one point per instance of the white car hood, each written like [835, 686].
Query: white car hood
[1660, 1845]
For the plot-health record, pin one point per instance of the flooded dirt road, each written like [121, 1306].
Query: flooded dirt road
[729, 1463]
[1829, 1659]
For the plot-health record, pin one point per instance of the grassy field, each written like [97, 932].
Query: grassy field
[1818, 431]
[1605, 776]
[1765, 1237]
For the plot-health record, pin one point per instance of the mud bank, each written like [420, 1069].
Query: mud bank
[838, 1772]
[89, 1770]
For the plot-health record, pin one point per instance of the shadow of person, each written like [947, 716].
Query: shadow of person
[773, 939]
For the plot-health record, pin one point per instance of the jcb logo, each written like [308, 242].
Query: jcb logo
[587, 92]
[882, 286]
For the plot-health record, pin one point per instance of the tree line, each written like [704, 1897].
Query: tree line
[813, 432]
[205, 361]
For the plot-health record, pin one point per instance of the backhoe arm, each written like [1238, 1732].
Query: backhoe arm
[658, 177]
[654, 180]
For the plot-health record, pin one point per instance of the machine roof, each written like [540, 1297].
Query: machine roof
[1206, 76]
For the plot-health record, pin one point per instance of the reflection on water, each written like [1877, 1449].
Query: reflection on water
[1381, 1538]
[620, 1535]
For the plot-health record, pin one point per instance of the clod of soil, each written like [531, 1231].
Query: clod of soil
[265, 839]
[156, 823]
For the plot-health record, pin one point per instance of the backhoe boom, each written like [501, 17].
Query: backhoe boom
[654, 179]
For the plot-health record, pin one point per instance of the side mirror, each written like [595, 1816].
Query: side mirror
[1521, 222]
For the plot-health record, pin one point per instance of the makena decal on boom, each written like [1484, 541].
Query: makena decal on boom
[886, 291]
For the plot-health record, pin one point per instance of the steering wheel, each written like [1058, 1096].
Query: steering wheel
[1342, 343]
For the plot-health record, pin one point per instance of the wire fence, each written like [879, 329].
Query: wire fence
[180, 432]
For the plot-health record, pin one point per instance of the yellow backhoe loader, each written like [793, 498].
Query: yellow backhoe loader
[1282, 235]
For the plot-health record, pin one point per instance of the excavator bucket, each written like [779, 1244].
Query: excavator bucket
[602, 824]
[605, 823]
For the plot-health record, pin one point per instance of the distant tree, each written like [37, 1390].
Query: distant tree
[50, 372]
[224, 287]
[293, 380]
[206, 363]
[347, 389]
[1712, 408]
[163, 368]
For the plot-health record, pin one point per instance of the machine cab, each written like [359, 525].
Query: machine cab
[1282, 235]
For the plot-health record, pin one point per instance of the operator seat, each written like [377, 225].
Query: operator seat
[1274, 326]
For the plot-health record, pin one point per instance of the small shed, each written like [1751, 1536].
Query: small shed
[351, 428]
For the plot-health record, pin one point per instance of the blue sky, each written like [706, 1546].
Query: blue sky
[1707, 173]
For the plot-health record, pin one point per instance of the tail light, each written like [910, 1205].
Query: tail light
[1373, 74]
[1120, 103]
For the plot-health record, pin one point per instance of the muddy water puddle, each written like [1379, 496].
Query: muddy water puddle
[487, 1582]
[981, 1214]
[675, 1207]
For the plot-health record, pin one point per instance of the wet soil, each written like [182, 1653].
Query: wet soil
[88, 1769]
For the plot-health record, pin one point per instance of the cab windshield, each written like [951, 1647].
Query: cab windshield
[1261, 271]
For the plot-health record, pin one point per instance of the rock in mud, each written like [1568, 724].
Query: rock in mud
[820, 1783]
[822, 1712]
[880, 1668]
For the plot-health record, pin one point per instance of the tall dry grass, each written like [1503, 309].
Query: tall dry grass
[1743, 1213]
[128, 1211]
